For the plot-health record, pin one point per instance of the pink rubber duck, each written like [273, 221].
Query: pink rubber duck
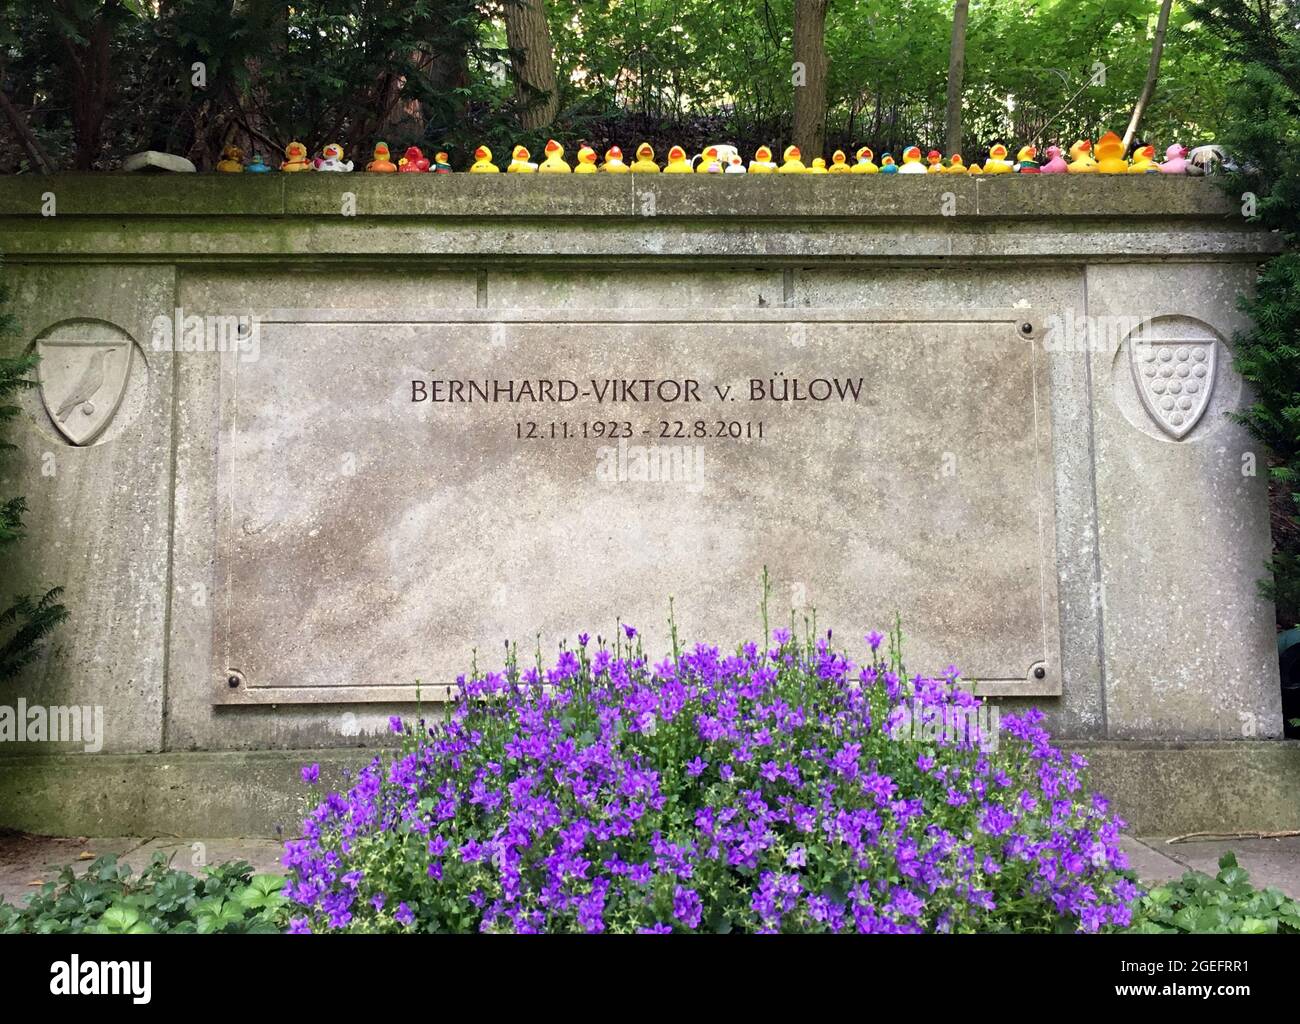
[1175, 160]
[1055, 163]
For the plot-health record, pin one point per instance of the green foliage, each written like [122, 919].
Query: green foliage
[1265, 127]
[26, 622]
[689, 71]
[107, 898]
[1226, 903]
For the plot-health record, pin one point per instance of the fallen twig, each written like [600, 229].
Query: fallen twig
[1285, 834]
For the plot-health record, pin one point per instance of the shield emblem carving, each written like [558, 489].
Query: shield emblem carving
[83, 374]
[1174, 371]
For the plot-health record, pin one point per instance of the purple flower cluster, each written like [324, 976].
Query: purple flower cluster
[769, 790]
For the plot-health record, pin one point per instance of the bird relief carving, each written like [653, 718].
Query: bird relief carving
[83, 372]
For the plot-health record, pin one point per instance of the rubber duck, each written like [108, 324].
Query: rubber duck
[483, 162]
[791, 162]
[735, 164]
[519, 162]
[710, 162]
[645, 160]
[955, 165]
[257, 165]
[1055, 162]
[887, 165]
[677, 162]
[381, 164]
[586, 162]
[762, 162]
[295, 158]
[1025, 162]
[839, 163]
[1175, 160]
[1144, 161]
[614, 161]
[818, 166]
[997, 163]
[935, 160]
[232, 160]
[331, 159]
[554, 162]
[912, 161]
[866, 162]
[441, 163]
[974, 169]
[414, 162]
[1081, 158]
[1110, 155]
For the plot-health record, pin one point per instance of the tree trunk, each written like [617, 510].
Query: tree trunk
[810, 69]
[532, 57]
[1153, 70]
[956, 73]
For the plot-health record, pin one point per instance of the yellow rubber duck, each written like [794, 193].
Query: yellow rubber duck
[709, 162]
[1144, 161]
[677, 162]
[382, 163]
[974, 169]
[520, 163]
[295, 158]
[935, 159]
[840, 163]
[614, 161]
[762, 162]
[866, 162]
[1026, 160]
[955, 165]
[1081, 159]
[554, 162]
[912, 161]
[645, 160]
[232, 160]
[819, 166]
[791, 162]
[1110, 155]
[586, 163]
[997, 163]
[483, 162]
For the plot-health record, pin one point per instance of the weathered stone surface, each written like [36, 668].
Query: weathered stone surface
[1158, 541]
[346, 508]
[1159, 789]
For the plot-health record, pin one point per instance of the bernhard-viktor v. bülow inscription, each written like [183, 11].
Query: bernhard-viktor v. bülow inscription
[518, 480]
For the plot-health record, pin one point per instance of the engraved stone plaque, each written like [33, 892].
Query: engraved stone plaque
[400, 489]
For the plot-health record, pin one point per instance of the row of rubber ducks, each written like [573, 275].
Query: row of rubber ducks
[1107, 157]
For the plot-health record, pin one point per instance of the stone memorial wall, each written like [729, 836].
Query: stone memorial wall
[293, 463]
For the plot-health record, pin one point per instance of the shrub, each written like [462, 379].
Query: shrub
[107, 899]
[27, 622]
[774, 789]
[1225, 903]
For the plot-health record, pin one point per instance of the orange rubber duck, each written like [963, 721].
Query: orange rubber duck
[382, 163]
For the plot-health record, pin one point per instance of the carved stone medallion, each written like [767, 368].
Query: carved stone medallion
[1174, 361]
[83, 373]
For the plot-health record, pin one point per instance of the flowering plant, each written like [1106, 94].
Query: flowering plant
[781, 788]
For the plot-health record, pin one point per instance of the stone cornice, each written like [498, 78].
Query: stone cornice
[716, 219]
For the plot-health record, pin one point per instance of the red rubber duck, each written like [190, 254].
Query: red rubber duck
[413, 162]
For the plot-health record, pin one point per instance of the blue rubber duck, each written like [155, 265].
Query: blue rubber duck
[887, 165]
[256, 165]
